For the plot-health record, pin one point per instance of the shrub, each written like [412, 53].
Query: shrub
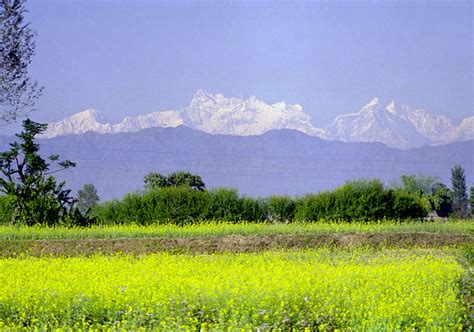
[222, 204]
[281, 208]
[361, 200]
[313, 207]
[407, 205]
[5, 210]
[254, 209]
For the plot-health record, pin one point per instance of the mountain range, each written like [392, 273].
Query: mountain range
[398, 126]
[276, 162]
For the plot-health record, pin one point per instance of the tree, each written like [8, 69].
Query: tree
[18, 93]
[459, 194]
[418, 184]
[33, 194]
[87, 198]
[440, 199]
[156, 180]
[435, 194]
[472, 200]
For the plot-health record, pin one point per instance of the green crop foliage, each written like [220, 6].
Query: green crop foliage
[316, 289]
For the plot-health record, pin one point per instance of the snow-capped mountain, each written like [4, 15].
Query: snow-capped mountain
[465, 130]
[398, 126]
[214, 114]
[436, 127]
[79, 123]
[375, 123]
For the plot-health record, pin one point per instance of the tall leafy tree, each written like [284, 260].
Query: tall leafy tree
[459, 192]
[87, 198]
[18, 93]
[33, 194]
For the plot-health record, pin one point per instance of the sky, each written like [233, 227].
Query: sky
[125, 58]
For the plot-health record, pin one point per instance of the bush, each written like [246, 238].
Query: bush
[362, 200]
[313, 207]
[407, 205]
[5, 211]
[176, 205]
[222, 204]
[108, 213]
[254, 209]
[281, 208]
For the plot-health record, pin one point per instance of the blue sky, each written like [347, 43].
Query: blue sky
[134, 57]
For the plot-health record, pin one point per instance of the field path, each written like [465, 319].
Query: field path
[232, 243]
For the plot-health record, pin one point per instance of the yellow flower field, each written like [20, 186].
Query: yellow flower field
[316, 289]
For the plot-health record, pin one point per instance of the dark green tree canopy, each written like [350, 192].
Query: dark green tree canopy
[459, 192]
[156, 180]
[472, 200]
[18, 93]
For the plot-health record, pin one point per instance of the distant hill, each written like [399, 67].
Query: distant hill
[277, 162]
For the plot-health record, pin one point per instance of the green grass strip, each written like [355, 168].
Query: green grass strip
[206, 229]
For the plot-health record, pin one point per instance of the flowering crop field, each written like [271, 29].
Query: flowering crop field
[360, 289]
[216, 228]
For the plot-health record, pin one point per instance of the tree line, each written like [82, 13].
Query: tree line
[412, 197]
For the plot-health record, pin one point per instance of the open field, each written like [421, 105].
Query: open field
[225, 237]
[316, 289]
[218, 276]
[228, 244]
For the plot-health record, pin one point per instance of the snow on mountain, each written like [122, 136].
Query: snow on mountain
[436, 127]
[155, 119]
[465, 130]
[214, 114]
[375, 123]
[78, 123]
[398, 126]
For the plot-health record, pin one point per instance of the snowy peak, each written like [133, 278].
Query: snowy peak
[399, 126]
[217, 114]
[78, 123]
[465, 130]
[375, 123]
[371, 105]
[436, 127]
[85, 115]
[214, 114]
[392, 107]
[201, 97]
[393, 124]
